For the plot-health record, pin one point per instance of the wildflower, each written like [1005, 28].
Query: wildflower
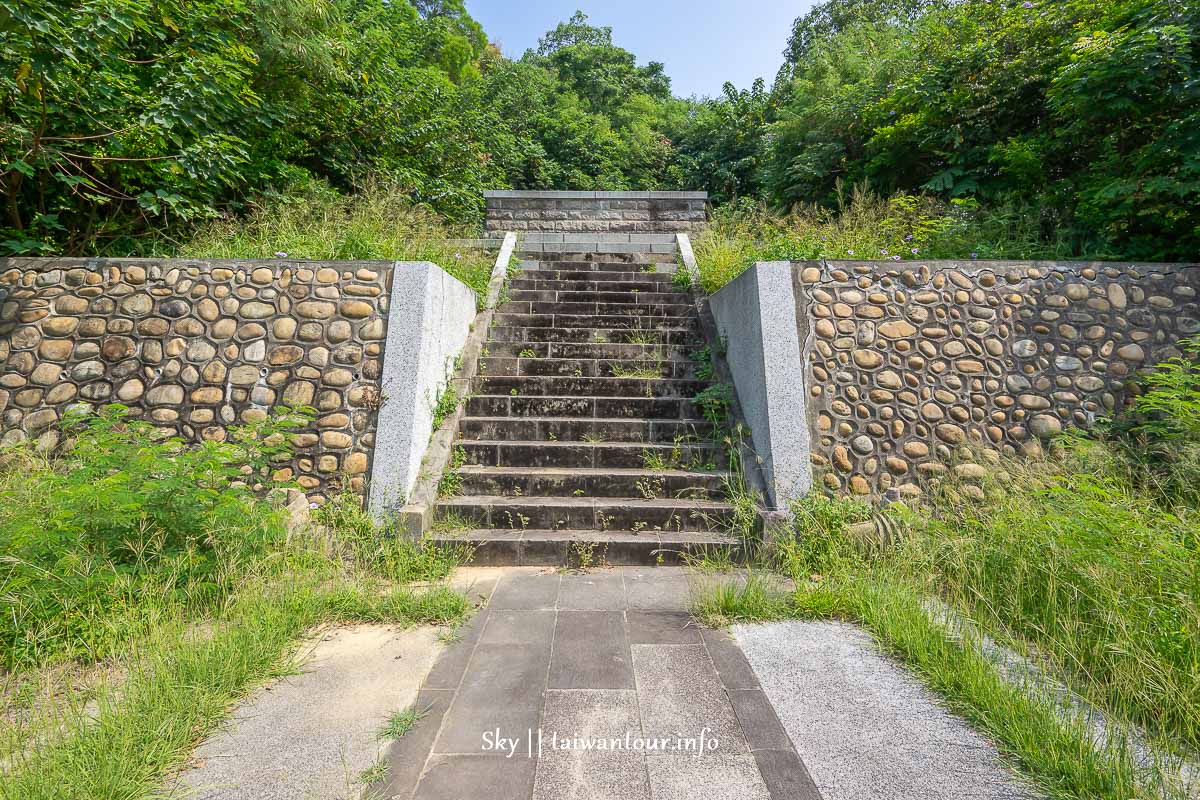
[280, 254]
[883, 252]
[313, 505]
[916, 250]
[895, 258]
[1027, 4]
[974, 255]
[908, 238]
[849, 252]
[458, 255]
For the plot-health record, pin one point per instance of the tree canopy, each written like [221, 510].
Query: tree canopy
[124, 120]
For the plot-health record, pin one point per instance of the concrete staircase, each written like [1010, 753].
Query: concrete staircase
[580, 442]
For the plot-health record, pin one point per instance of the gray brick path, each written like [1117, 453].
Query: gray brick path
[607, 656]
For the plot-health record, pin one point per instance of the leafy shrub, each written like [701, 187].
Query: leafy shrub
[122, 523]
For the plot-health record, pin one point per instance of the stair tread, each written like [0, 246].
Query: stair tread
[581, 502]
[585, 534]
[616, 471]
[550, 443]
[545, 418]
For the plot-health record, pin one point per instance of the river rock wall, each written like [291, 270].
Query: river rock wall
[198, 346]
[905, 362]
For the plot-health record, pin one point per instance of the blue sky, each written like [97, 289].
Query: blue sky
[703, 44]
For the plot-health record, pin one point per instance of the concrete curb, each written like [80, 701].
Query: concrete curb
[415, 517]
[429, 321]
[764, 358]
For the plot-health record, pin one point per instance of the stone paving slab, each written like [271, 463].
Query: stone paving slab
[313, 734]
[591, 775]
[599, 685]
[680, 695]
[865, 728]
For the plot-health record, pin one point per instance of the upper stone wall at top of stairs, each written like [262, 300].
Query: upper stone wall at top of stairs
[595, 212]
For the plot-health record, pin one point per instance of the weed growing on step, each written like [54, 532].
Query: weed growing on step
[593, 438]
[681, 279]
[655, 461]
[528, 352]
[448, 521]
[451, 481]
[585, 557]
[714, 403]
[445, 405]
[704, 364]
[650, 488]
[643, 337]
[636, 370]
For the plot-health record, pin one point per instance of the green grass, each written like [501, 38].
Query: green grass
[867, 227]
[376, 224]
[447, 403]
[148, 591]
[400, 723]
[631, 371]
[1066, 560]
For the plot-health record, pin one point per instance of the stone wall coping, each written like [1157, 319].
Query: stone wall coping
[540, 194]
[45, 263]
[981, 265]
[688, 257]
[545, 237]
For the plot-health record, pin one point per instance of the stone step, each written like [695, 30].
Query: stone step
[693, 457]
[645, 284]
[551, 482]
[589, 276]
[583, 429]
[600, 262]
[627, 312]
[628, 322]
[586, 367]
[571, 386]
[595, 407]
[586, 513]
[550, 548]
[587, 350]
[677, 335]
[634, 297]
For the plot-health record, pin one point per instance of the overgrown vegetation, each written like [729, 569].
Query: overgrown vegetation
[866, 227]
[126, 524]
[314, 222]
[1019, 128]
[124, 120]
[1087, 562]
[1075, 121]
[158, 566]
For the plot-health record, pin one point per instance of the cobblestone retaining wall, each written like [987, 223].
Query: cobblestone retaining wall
[196, 346]
[905, 362]
[595, 212]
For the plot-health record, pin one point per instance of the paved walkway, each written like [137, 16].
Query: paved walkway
[867, 728]
[311, 734]
[582, 686]
[595, 685]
